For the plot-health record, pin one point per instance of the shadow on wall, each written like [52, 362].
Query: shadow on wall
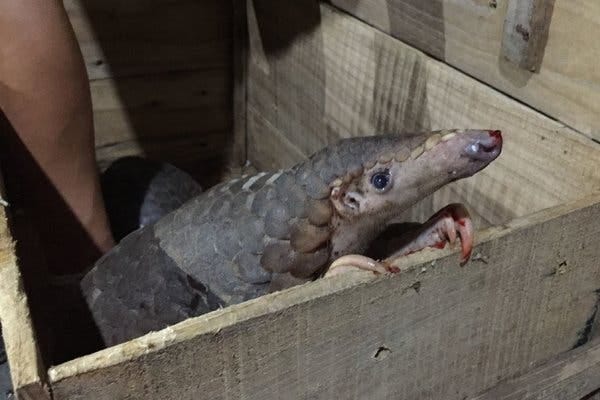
[161, 79]
[281, 23]
[284, 40]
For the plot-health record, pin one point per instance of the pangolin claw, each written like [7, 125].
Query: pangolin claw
[444, 226]
[357, 262]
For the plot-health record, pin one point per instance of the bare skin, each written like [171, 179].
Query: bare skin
[44, 94]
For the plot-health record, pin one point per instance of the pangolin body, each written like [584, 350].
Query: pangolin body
[256, 234]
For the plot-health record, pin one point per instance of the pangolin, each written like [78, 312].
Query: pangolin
[250, 236]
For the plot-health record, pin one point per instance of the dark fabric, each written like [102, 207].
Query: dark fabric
[138, 192]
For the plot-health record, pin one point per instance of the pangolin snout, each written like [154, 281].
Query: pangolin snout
[484, 146]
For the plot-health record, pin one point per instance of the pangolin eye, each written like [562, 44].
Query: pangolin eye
[381, 180]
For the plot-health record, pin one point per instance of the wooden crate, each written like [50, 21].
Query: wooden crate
[518, 321]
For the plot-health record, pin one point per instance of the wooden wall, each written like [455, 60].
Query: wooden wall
[469, 35]
[160, 76]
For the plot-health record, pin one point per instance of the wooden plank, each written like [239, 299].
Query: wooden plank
[358, 336]
[148, 36]
[182, 117]
[569, 376]
[345, 78]
[28, 373]
[468, 35]
[525, 34]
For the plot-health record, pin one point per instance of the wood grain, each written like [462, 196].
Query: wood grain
[468, 35]
[345, 78]
[150, 36]
[27, 369]
[570, 376]
[358, 336]
[525, 32]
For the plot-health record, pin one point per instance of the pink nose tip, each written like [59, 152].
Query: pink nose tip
[497, 135]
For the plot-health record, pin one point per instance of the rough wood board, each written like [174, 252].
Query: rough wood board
[357, 336]
[569, 376]
[182, 117]
[148, 36]
[468, 35]
[525, 32]
[27, 370]
[344, 78]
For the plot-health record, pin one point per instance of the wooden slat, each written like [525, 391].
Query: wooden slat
[570, 376]
[468, 35]
[525, 32]
[345, 78]
[27, 368]
[148, 36]
[359, 337]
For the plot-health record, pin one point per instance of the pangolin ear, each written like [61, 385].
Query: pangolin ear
[348, 203]
[353, 201]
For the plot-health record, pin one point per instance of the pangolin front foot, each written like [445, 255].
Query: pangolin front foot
[444, 226]
[448, 224]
